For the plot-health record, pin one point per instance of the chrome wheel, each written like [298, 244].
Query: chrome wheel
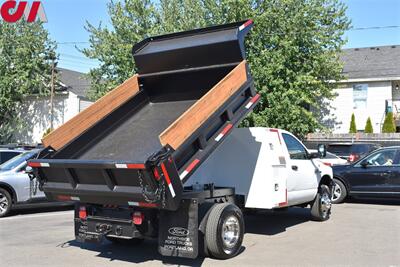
[326, 204]
[230, 233]
[3, 204]
[337, 192]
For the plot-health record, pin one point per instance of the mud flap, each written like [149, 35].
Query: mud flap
[178, 231]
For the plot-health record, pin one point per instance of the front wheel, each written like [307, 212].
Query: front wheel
[5, 202]
[224, 230]
[339, 192]
[321, 207]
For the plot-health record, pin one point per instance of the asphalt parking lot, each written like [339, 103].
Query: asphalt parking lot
[360, 233]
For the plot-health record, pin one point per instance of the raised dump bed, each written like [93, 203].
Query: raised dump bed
[138, 144]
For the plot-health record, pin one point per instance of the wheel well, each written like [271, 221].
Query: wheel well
[326, 180]
[10, 190]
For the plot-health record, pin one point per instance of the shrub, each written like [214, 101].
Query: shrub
[388, 125]
[353, 127]
[368, 126]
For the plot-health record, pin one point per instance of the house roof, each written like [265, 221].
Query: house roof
[371, 62]
[74, 81]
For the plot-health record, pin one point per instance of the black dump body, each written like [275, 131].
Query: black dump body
[120, 160]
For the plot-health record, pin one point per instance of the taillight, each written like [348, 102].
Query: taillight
[137, 218]
[82, 213]
[327, 164]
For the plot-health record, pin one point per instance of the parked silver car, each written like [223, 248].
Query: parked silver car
[7, 154]
[16, 188]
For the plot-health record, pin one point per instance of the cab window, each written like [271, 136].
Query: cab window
[295, 148]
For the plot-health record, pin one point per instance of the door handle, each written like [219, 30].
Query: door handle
[295, 168]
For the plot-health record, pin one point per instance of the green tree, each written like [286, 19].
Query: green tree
[368, 126]
[389, 125]
[26, 53]
[292, 50]
[353, 127]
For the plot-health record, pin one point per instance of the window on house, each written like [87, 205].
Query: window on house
[360, 94]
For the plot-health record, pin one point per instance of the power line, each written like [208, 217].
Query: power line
[78, 58]
[351, 29]
[375, 28]
[78, 62]
[72, 43]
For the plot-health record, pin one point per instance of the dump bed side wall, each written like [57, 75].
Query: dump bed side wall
[193, 118]
[90, 116]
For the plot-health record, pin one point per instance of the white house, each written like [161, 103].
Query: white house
[371, 88]
[70, 98]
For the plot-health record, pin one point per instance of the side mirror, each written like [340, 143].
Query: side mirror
[28, 169]
[322, 151]
[364, 164]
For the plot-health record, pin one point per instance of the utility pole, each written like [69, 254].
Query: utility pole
[53, 65]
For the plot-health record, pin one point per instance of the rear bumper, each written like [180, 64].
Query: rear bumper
[95, 229]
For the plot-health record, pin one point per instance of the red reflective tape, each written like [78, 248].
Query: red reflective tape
[277, 132]
[226, 129]
[34, 164]
[166, 175]
[252, 101]
[255, 98]
[282, 204]
[135, 166]
[192, 165]
[147, 205]
[249, 22]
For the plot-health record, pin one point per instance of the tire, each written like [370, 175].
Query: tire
[321, 207]
[5, 202]
[339, 192]
[224, 231]
[125, 242]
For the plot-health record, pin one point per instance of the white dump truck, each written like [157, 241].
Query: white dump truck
[161, 157]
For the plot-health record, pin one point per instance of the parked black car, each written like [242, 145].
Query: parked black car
[376, 175]
[352, 151]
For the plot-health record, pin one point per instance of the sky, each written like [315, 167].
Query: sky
[67, 19]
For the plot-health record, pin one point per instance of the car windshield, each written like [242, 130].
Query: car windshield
[16, 161]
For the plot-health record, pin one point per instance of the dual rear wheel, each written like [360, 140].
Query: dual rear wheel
[224, 231]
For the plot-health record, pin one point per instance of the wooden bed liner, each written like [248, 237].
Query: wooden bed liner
[90, 116]
[197, 114]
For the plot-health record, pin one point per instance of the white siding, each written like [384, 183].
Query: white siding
[343, 107]
[35, 113]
